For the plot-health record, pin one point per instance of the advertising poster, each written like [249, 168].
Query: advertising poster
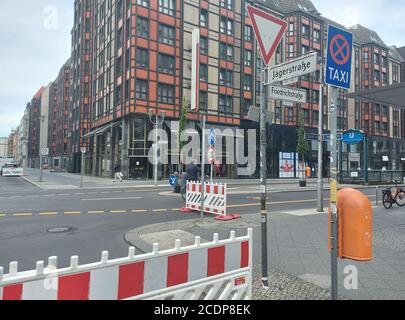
[286, 165]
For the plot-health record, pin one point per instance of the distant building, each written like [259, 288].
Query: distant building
[3, 147]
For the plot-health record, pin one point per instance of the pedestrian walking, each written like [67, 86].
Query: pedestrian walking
[117, 172]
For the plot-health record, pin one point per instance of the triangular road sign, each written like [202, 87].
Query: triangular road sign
[269, 31]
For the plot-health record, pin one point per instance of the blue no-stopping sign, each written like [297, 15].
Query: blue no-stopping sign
[339, 58]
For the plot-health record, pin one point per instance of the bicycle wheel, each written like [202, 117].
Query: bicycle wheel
[387, 201]
[184, 194]
[400, 199]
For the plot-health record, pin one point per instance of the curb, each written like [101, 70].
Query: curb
[33, 183]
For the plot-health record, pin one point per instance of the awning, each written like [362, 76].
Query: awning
[389, 95]
[102, 129]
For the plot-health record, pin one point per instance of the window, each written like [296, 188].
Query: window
[248, 82]
[377, 126]
[203, 18]
[166, 93]
[377, 109]
[305, 31]
[143, 3]
[317, 35]
[248, 58]
[142, 27]
[119, 66]
[384, 61]
[141, 89]
[228, 4]
[167, 7]
[304, 49]
[226, 26]
[166, 63]
[248, 34]
[142, 58]
[204, 72]
[384, 78]
[225, 77]
[385, 111]
[291, 50]
[365, 74]
[225, 104]
[118, 94]
[167, 34]
[376, 58]
[291, 28]
[226, 51]
[204, 46]
[203, 103]
[119, 38]
[376, 75]
[119, 9]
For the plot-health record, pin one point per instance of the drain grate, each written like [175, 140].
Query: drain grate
[59, 230]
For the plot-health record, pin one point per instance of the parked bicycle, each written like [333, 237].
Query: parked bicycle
[393, 197]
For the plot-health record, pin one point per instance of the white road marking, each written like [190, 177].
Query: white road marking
[109, 199]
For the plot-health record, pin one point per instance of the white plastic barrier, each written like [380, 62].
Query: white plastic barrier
[221, 269]
[214, 200]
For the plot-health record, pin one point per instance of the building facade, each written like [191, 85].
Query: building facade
[3, 147]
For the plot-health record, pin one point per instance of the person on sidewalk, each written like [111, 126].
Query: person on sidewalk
[192, 171]
[117, 172]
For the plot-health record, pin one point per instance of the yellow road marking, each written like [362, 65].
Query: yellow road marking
[48, 213]
[176, 209]
[159, 210]
[22, 214]
[2, 215]
[139, 211]
[95, 212]
[72, 212]
[118, 211]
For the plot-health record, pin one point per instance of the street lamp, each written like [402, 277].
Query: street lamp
[156, 122]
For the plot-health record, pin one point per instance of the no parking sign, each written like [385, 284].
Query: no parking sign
[339, 58]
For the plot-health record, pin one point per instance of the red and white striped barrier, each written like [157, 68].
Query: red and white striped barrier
[214, 199]
[219, 269]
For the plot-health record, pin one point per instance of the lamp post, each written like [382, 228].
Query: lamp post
[156, 122]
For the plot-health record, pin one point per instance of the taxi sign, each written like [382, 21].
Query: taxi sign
[339, 58]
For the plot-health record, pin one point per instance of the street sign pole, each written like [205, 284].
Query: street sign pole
[40, 167]
[263, 177]
[320, 145]
[203, 168]
[333, 193]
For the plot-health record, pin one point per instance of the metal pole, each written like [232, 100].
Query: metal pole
[40, 167]
[212, 171]
[320, 147]
[263, 176]
[81, 172]
[203, 168]
[365, 150]
[156, 148]
[333, 194]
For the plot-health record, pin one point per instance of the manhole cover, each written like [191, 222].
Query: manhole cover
[59, 229]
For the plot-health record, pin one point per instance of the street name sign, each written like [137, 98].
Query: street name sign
[312, 137]
[327, 136]
[293, 68]
[288, 94]
[269, 31]
[339, 58]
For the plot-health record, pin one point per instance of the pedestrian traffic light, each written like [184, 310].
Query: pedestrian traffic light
[355, 226]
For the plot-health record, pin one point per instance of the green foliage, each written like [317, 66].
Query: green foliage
[182, 122]
[302, 144]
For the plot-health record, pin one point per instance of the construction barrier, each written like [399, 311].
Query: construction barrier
[218, 270]
[214, 200]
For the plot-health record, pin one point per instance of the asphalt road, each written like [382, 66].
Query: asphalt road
[98, 219]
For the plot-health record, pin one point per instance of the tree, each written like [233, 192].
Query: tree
[182, 125]
[302, 144]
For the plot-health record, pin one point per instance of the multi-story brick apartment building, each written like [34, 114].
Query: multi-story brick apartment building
[59, 131]
[81, 83]
[34, 116]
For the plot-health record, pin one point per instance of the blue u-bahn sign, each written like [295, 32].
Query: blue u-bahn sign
[353, 137]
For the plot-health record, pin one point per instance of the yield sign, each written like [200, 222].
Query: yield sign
[269, 31]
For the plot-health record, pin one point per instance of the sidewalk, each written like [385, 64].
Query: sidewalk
[299, 261]
[63, 180]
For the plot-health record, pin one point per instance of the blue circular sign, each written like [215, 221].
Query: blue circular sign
[211, 138]
[353, 137]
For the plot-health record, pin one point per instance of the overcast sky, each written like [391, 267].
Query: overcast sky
[35, 37]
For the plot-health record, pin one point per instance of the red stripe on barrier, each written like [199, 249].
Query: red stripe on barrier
[177, 270]
[131, 280]
[216, 261]
[193, 187]
[13, 292]
[244, 256]
[215, 189]
[208, 189]
[74, 287]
